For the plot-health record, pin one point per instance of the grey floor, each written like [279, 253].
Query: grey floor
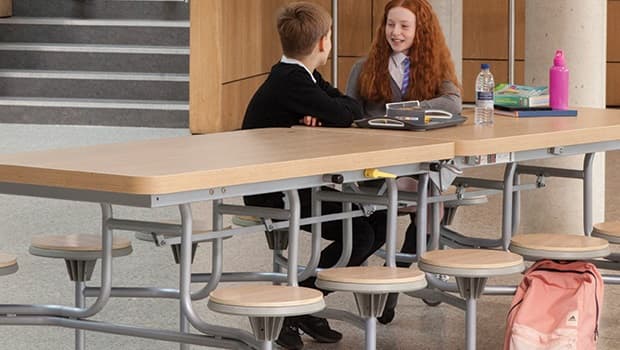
[40, 280]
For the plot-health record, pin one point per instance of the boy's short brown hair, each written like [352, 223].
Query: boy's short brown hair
[300, 26]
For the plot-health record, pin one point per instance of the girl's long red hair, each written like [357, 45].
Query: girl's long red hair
[431, 63]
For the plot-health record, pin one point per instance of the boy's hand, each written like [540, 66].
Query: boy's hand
[310, 121]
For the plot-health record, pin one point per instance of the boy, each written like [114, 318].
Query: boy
[294, 89]
[295, 93]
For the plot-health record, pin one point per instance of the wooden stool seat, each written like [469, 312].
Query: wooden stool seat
[76, 247]
[371, 279]
[471, 262]
[559, 246]
[8, 264]
[609, 231]
[266, 300]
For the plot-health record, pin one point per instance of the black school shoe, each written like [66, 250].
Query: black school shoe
[317, 328]
[289, 337]
[388, 311]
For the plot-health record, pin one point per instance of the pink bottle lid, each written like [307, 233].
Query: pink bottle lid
[558, 60]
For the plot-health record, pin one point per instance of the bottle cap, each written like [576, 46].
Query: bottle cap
[558, 60]
[485, 66]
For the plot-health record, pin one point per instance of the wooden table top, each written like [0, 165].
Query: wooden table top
[519, 134]
[214, 160]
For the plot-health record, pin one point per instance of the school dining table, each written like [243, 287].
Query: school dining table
[183, 170]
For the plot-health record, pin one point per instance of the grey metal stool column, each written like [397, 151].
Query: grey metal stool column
[559, 246]
[80, 253]
[370, 286]
[472, 268]
[8, 264]
[266, 306]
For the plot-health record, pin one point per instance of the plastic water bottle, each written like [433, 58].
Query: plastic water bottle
[484, 96]
[558, 82]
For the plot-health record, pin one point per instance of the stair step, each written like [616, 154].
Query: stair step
[66, 21]
[96, 48]
[144, 36]
[91, 75]
[170, 10]
[94, 103]
[97, 89]
[85, 61]
[94, 116]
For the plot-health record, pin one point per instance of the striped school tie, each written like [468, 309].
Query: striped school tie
[406, 64]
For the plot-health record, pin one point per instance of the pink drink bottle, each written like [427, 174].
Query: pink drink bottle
[558, 82]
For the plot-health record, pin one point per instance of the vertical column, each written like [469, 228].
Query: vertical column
[579, 28]
[450, 13]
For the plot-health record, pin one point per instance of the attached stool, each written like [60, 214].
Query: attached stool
[472, 268]
[609, 231]
[80, 253]
[8, 264]
[266, 306]
[559, 246]
[198, 227]
[370, 286]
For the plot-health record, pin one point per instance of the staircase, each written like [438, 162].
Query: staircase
[95, 62]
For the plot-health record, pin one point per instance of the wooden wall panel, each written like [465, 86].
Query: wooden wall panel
[205, 63]
[6, 8]
[485, 29]
[613, 29]
[248, 41]
[613, 84]
[355, 23]
[499, 68]
[236, 96]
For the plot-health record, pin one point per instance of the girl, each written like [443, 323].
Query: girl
[408, 60]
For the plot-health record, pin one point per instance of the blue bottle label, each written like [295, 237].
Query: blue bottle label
[484, 95]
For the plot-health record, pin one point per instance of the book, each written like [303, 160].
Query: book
[512, 95]
[534, 112]
[519, 108]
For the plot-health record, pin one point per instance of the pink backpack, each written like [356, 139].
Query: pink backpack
[557, 306]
